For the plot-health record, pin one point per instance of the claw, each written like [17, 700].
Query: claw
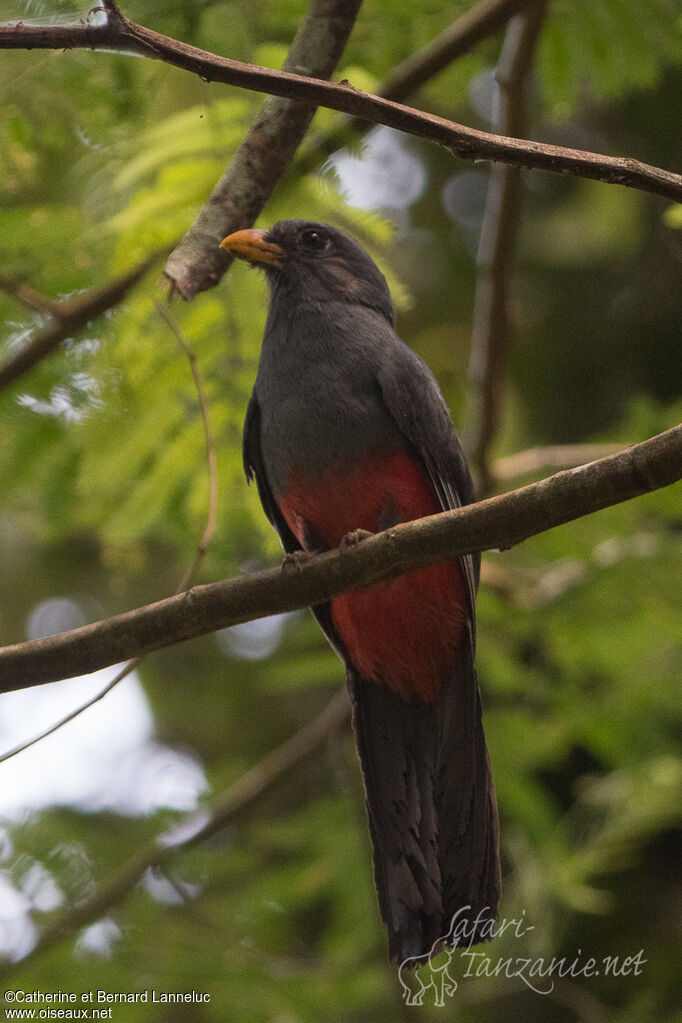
[294, 560]
[354, 538]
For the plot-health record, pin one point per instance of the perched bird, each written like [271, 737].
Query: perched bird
[347, 430]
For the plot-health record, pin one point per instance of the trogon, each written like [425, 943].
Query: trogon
[347, 430]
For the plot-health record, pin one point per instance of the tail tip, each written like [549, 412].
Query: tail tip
[420, 939]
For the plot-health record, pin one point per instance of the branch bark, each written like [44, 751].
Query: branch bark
[480, 21]
[497, 247]
[198, 263]
[68, 318]
[468, 143]
[499, 522]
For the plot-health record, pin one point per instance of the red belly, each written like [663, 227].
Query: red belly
[402, 633]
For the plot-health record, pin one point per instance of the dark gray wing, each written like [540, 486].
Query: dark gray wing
[254, 468]
[414, 400]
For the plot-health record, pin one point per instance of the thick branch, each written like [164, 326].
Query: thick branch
[499, 522]
[195, 829]
[241, 193]
[468, 143]
[497, 247]
[67, 319]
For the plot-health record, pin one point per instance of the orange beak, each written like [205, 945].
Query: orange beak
[251, 246]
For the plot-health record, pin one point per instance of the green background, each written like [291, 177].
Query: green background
[105, 158]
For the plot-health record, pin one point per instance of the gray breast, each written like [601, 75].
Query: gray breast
[320, 400]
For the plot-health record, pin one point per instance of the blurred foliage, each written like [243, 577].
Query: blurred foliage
[104, 159]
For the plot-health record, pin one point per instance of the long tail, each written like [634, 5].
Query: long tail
[432, 813]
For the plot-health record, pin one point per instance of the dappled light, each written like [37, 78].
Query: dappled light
[108, 759]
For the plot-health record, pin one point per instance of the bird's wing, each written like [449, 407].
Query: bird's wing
[417, 406]
[254, 468]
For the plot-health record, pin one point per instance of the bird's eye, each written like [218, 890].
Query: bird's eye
[313, 239]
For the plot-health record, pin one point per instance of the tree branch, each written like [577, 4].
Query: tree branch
[195, 828]
[556, 456]
[67, 319]
[28, 296]
[499, 522]
[497, 247]
[480, 21]
[198, 263]
[467, 143]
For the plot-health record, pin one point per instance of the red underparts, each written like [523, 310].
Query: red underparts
[403, 633]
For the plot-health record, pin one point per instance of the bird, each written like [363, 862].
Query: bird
[346, 433]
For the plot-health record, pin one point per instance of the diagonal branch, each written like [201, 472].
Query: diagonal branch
[556, 456]
[195, 829]
[497, 247]
[241, 193]
[67, 319]
[497, 523]
[468, 143]
[478, 23]
[29, 296]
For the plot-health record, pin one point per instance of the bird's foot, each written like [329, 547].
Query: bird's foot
[354, 538]
[294, 560]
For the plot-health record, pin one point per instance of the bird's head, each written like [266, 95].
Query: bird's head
[314, 264]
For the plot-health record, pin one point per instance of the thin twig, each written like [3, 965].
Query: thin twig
[209, 438]
[68, 718]
[68, 318]
[195, 828]
[464, 142]
[497, 248]
[498, 522]
[206, 537]
[29, 296]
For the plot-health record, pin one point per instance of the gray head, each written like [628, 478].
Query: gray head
[311, 264]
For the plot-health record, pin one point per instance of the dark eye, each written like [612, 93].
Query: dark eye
[314, 239]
